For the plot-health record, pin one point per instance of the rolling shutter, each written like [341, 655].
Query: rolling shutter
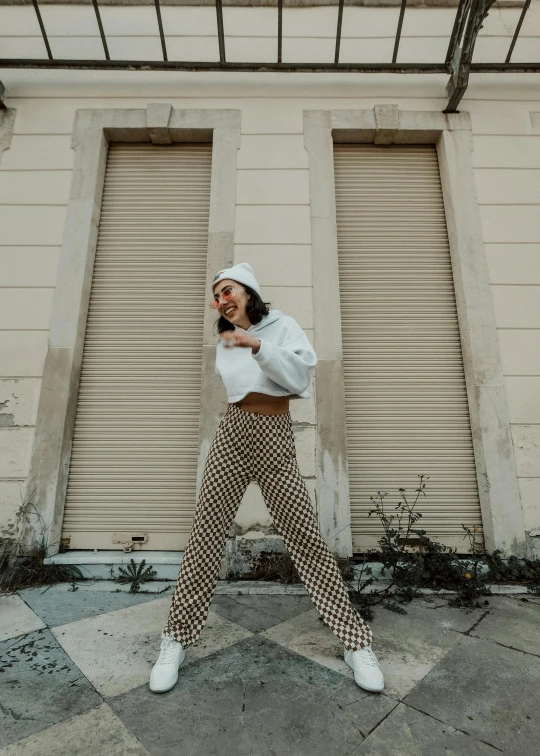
[406, 402]
[135, 448]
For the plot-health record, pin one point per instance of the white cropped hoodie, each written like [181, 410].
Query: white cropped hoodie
[284, 364]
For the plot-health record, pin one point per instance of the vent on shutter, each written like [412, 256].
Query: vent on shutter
[406, 402]
[132, 475]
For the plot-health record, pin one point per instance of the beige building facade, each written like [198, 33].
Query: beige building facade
[404, 240]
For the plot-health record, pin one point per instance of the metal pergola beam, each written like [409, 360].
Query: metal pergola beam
[175, 65]
[398, 33]
[518, 28]
[457, 30]
[161, 34]
[458, 63]
[338, 33]
[42, 27]
[101, 31]
[220, 31]
[280, 30]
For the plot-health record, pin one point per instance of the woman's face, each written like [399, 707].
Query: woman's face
[234, 308]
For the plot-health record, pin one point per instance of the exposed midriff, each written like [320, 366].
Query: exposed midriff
[264, 404]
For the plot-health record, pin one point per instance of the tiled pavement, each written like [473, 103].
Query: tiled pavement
[266, 678]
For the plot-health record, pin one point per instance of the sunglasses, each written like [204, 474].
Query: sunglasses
[226, 294]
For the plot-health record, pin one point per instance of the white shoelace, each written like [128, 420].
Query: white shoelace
[167, 653]
[367, 656]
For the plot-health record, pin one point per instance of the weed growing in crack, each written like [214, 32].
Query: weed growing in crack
[515, 570]
[433, 565]
[271, 566]
[280, 568]
[136, 574]
[430, 565]
[473, 580]
[22, 564]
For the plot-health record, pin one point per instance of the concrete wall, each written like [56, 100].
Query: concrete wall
[272, 229]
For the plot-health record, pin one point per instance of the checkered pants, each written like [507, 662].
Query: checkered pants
[250, 446]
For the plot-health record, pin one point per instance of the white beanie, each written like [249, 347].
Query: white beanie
[243, 273]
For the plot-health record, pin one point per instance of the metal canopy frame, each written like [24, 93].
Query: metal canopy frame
[458, 64]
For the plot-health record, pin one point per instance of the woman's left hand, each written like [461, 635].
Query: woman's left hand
[241, 339]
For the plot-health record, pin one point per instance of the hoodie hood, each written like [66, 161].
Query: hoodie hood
[267, 320]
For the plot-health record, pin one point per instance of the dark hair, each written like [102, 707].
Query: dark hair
[256, 309]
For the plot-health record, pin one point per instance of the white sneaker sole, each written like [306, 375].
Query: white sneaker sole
[365, 687]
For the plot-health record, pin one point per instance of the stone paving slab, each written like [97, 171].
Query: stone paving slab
[438, 620]
[251, 699]
[512, 623]
[259, 588]
[61, 607]
[489, 692]
[531, 597]
[116, 651]
[260, 612]
[308, 636]
[438, 616]
[407, 732]
[285, 689]
[16, 618]
[99, 732]
[40, 686]
[281, 607]
[252, 619]
[408, 646]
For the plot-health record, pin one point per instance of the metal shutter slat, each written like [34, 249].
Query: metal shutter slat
[135, 445]
[405, 395]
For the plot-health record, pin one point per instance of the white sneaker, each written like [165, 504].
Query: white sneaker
[165, 671]
[367, 671]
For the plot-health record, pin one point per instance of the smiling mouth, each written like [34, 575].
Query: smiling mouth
[229, 311]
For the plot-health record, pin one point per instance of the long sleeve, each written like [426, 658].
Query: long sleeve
[291, 364]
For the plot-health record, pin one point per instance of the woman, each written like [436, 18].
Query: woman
[265, 360]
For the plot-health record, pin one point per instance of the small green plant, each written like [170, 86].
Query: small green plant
[471, 576]
[22, 565]
[398, 532]
[414, 561]
[280, 567]
[514, 570]
[359, 596]
[405, 566]
[136, 574]
[271, 566]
